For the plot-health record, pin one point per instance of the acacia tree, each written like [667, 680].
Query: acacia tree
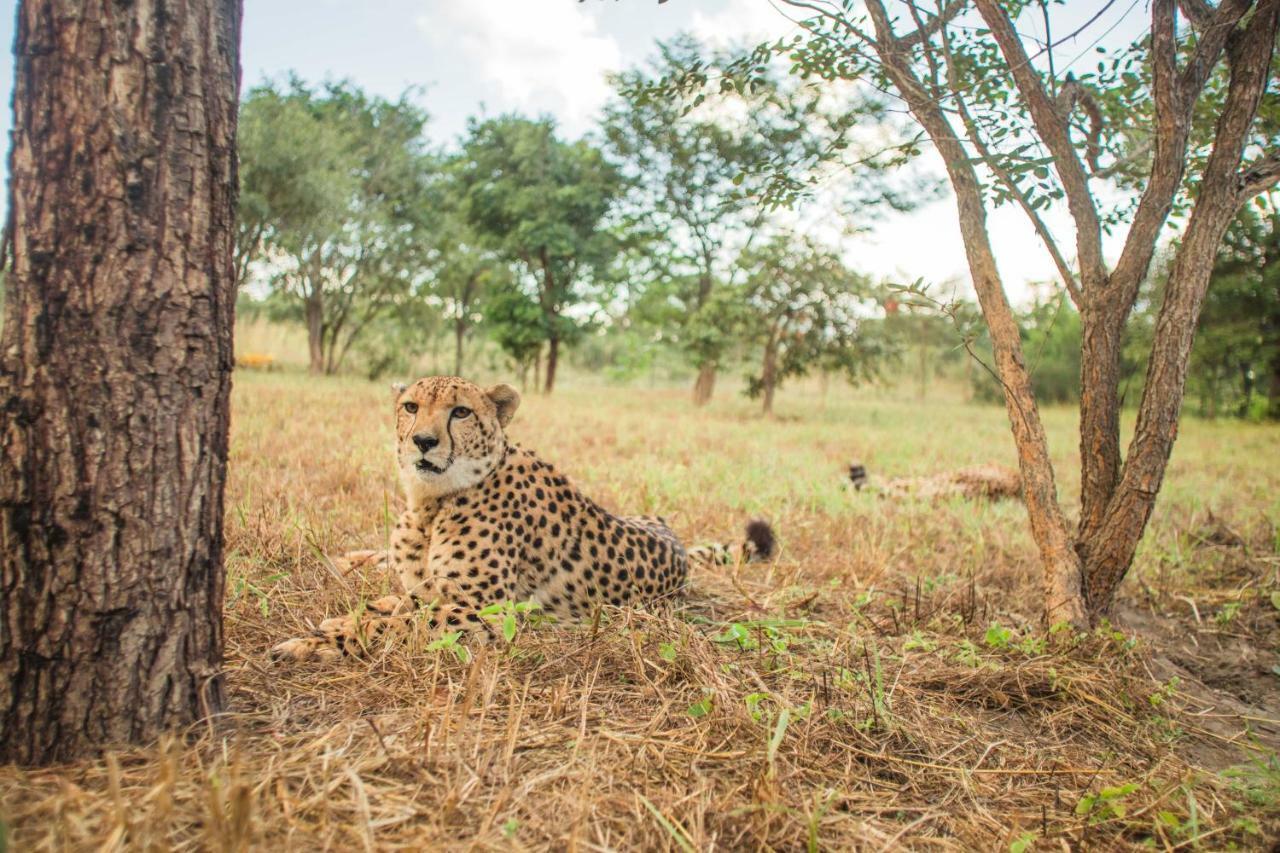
[336, 207]
[803, 309]
[704, 172]
[544, 204]
[115, 373]
[1008, 130]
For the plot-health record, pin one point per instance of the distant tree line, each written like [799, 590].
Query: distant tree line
[676, 236]
[661, 231]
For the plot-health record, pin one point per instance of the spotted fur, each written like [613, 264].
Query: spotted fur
[488, 521]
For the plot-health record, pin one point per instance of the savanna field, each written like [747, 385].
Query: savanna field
[883, 685]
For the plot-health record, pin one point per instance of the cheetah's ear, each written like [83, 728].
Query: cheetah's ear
[397, 388]
[507, 400]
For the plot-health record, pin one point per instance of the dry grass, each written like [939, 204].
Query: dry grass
[879, 687]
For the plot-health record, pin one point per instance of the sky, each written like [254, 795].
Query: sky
[478, 57]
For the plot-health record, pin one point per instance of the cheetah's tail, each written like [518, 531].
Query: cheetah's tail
[758, 546]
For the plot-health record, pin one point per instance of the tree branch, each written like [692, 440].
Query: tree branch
[1054, 129]
[1198, 12]
[1214, 33]
[1073, 93]
[1002, 174]
[1259, 176]
[1172, 126]
[1048, 525]
[928, 30]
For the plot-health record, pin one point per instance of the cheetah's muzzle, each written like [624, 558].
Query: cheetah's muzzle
[428, 465]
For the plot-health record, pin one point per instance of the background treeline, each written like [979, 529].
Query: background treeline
[676, 242]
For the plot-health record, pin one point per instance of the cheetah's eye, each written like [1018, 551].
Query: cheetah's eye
[411, 407]
[460, 412]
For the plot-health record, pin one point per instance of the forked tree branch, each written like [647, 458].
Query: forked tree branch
[1198, 12]
[1002, 174]
[929, 29]
[1215, 31]
[1053, 128]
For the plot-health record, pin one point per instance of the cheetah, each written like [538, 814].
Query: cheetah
[489, 522]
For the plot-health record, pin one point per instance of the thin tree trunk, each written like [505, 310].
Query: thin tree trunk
[116, 372]
[705, 384]
[553, 360]
[537, 367]
[459, 342]
[1273, 390]
[769, 372]
[315, 332]
[1061, 565]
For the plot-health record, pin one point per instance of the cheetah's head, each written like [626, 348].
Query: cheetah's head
[449, 433]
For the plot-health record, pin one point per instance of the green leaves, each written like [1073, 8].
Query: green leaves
[1108, 803]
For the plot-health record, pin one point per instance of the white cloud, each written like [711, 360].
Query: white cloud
[739, 21]
[534, 56]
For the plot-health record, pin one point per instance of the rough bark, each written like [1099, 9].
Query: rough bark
[115, 372]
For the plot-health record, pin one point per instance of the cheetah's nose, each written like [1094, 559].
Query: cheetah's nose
[425, 442]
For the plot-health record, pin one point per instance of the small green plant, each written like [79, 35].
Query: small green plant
[241, 586]
[1033, 645]
[510, 827]
[667, 652]
[753, 701]
[1022, 843]
[700, 708]
[919, 642]
[1106, 804]
[1164, 692]
[507, 611]
[450, 642]
[967, 654]
[1227, 614]
[998, 636]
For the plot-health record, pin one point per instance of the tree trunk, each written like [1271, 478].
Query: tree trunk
[1273, 389]
[769, 373]
[1061, 566]
[459, 343]
[537, 367]
[705, 384]
[315, 333]
[116, 372]
[1110, 551]
[553, 360]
